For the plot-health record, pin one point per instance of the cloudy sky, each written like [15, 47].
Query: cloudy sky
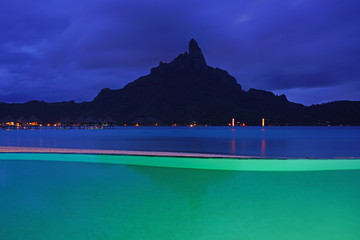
[60, 50]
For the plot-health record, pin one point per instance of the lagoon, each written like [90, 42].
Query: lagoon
[297, 183]
[106, 197]
[287, 142]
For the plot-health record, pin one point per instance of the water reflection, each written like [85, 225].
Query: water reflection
[319, 142]
[263, 147]
[233, 146]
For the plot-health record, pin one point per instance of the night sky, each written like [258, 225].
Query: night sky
[61, 50]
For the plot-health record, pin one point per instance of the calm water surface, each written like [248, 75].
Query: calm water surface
[318, 142]
[41, 200]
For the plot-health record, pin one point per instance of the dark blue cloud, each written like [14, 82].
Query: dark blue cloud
[62, 50]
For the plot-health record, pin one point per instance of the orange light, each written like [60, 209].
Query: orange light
[156, 124]
[263, 122]
[263, 147]
[137, 125]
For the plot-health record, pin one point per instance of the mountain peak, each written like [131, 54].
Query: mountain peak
[193, 46]
[196, 56]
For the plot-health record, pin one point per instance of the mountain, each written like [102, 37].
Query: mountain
[187, 90]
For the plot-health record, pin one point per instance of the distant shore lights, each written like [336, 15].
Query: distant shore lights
[263, 122]
[233, 122]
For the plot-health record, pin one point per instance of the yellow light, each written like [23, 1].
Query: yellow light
[233, 122]
[263, 122]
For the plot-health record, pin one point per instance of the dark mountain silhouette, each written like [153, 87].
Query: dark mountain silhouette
[187, 90]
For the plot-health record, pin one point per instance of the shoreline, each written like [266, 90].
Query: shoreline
[11, 149]
[177, 160]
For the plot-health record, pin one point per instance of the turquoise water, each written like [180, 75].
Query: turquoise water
[67, 196]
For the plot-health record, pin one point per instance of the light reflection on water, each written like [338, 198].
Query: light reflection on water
[318, 142]
[263, 147]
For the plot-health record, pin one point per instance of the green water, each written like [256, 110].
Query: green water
[69, 196]
[197, 163]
